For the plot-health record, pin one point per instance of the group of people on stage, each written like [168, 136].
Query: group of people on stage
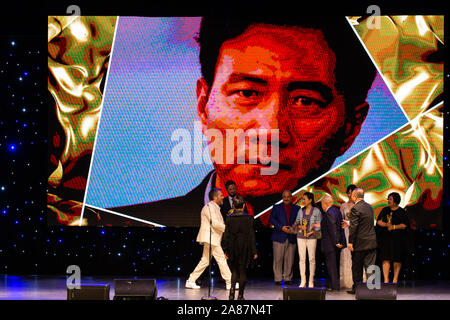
[350, 238]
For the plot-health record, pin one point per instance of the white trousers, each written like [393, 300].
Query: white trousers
[219, 256]
[310, 245]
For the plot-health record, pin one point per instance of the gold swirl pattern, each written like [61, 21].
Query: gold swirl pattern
[79, 49]
[408, 51]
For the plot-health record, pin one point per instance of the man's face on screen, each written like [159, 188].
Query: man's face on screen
[273, 77]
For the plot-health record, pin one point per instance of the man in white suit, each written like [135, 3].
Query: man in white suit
[211, 209]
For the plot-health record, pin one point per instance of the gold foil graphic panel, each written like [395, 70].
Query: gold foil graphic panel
[79, 50]
[408, 50]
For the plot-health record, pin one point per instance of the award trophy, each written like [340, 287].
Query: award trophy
[304, 223]
[389, 218]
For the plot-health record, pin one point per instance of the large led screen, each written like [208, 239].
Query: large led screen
[152, 113]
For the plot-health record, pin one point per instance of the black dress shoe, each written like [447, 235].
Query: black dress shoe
[231, 296]
[351, 291]
[278, 283]
[288, 283]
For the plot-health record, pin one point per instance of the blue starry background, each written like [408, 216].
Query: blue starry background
[29, 246]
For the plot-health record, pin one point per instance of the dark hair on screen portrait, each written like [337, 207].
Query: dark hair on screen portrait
[213, 193]
[354, 72]
[395, 197]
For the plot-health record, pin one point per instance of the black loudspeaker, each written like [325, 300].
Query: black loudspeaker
[142, 289]
[304, 293]
[388, 291]
[89, 292]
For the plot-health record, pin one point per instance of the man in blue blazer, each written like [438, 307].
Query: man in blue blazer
[284, 242]
[333, 240]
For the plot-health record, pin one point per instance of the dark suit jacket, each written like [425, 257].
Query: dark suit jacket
[332, 232]
[183, 211]
[362, 230]
[225, 208]
[278, 219]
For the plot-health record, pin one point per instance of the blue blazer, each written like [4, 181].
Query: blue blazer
[332, 232]
[278, 219]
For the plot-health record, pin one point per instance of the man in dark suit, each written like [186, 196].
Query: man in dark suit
[282, 217]
[227, 205]
[333, 239]
[362, 241]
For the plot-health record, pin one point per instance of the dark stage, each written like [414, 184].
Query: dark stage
[33, 287]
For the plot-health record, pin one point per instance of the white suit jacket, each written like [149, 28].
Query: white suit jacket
[217, 228]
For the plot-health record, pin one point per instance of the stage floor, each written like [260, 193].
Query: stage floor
[33, 287]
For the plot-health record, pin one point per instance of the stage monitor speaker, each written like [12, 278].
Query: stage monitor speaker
[388, 291]
[132, 289]
[295, 293]
[89, 292]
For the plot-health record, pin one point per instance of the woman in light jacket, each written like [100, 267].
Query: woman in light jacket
[308, 221]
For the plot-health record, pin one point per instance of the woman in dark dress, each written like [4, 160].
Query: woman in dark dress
[393, 224]
[239, 245]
